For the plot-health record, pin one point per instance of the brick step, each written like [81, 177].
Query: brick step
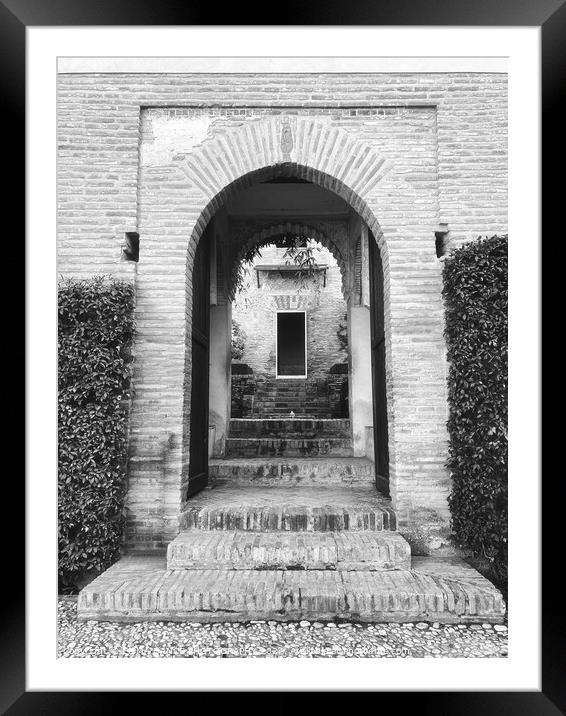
[286, 408]
[276, 394]
[276, 397]
[262, 413]
[282, 403]
[270, 415]
[292, 471]
[280, 447]
[288, 509]
[308, 428]
[200, 549]
[281, 389]
[287, 382]
[141, 589]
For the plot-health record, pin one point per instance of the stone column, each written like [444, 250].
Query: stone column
[360, 388]
[219, 379]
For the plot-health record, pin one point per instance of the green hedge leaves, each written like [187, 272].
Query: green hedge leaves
[475, 296]
[95, 330]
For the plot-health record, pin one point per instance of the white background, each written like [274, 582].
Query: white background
[400, 49]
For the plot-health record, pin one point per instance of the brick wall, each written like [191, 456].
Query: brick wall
[159, 154]
[98, 125]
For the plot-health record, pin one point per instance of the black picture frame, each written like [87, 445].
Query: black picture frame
[550, 15]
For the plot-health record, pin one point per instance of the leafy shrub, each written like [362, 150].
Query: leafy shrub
[342, 333]
[475, 294]
[238, 340]
[95, 329]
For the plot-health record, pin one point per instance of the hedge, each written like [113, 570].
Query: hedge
[95, 332]
[475, 295]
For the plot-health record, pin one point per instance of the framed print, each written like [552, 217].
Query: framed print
[276, 490]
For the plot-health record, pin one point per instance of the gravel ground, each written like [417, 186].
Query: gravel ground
[273, 639]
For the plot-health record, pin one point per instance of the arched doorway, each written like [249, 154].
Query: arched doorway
[179, 195]
[258, 210]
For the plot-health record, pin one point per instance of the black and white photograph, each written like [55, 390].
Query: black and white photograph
[282, 360]
[282, 375]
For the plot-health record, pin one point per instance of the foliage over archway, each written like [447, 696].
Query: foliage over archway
[299, 250]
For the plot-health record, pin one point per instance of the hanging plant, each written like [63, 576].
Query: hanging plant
[299, 249]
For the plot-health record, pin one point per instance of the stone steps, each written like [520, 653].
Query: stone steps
[280, 397]
[318, 553]
[300, 413]
[305, 509]
[288, 428]
[282, 415]
[143, 589]
[281, 389]
[292, 471]
[200, 549]
[284, 410]
[293, 447]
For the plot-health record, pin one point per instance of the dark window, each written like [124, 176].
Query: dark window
[441, 243]
[131, 247]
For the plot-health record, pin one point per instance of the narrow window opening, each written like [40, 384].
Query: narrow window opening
[441, 241]
[131, 246]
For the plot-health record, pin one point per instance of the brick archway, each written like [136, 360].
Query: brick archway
[260, 150]
[178, 197]
[271, 231]
[330, 183]
[256, 151]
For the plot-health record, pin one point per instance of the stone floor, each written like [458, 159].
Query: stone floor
[270, 639]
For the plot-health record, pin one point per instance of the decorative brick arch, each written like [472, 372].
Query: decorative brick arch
[180, 193]
[259, 150]
[273, 230]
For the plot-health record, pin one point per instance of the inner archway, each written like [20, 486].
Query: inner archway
[290, 353]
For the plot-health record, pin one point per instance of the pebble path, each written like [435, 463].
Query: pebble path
[273, 639]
